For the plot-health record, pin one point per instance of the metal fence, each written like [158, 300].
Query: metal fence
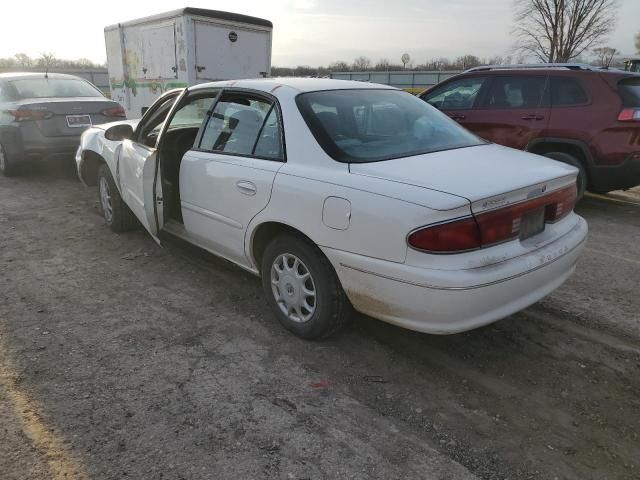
[412, 79]
[98, 76]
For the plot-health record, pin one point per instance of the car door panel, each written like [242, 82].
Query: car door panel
[220, 195]
[138, 176]
[514, 111]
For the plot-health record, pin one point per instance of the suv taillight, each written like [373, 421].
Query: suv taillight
[491, 228]
[629, 115]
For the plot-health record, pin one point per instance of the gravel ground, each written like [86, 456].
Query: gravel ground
[123, 359]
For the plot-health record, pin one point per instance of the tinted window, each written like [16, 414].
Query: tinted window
[54, 88]
[629, 89]
[515, 92]
[567, 91]
[239, 123]
[456, 95]
[371, 125]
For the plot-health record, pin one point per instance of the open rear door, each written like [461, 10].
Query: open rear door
[140, 184]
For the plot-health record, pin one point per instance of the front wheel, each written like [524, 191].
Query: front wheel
[116, 213]
[302, 288]
[581, 181]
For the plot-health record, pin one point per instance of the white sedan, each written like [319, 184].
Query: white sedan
[343, 195]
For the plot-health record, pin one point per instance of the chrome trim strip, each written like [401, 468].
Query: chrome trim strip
[471, 287]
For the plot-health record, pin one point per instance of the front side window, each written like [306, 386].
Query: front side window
[567, 91]
[54, 88]
[456, 95]
[371, 125]
[241, 124]
[516, 92]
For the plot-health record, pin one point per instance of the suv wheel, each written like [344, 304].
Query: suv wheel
[302, 288]
[581, 181]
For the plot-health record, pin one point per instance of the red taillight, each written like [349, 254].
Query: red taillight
[629, 115]
[456, 236]
[493, 227]
[114, 112]
[25, 115]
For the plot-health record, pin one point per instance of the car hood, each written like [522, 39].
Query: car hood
[488, 176]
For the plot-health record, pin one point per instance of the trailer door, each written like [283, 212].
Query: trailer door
[159, 52]
[225, 52]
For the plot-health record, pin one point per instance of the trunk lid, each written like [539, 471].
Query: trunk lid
[81, 110]
[488, 176]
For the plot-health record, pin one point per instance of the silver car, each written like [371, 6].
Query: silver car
[43, 115]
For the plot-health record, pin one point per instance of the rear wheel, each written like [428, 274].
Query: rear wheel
[581, 181]
[116, 213]
[7, 167]
[302, 288]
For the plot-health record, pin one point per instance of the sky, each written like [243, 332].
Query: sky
[306, 32]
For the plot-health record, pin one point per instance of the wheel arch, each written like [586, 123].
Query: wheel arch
[261, 235]
[88, 168]
[576, 148]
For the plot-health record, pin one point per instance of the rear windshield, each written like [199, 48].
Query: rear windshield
[629, 89]
[371, 125]
[54, 88]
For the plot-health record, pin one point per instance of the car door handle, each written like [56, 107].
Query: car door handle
[458, 117]
[246, 187]
[532, 117]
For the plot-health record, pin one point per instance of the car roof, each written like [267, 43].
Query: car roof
[24, 75]
[296, 83]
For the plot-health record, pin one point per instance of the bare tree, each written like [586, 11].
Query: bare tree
[24, 60]
[383, 65]
[47, 60]
[339, 67]
[361, 63]
[561, 30]
[605, 55]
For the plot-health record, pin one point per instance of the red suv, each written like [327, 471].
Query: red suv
[587, 117]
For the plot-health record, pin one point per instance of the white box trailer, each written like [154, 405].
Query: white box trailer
[148, 56]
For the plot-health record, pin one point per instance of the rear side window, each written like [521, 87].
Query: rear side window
[629, 89]
[456, 95]
[516, 92]
[567, 91]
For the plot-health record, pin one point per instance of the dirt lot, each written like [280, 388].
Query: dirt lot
[122, 359]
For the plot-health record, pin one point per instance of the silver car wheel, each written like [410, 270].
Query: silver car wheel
[293, 288]
[3, 159]
[105, 200]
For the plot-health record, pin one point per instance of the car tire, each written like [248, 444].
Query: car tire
[116, 213]
[582, 179]
[8, 168]
[302, 288]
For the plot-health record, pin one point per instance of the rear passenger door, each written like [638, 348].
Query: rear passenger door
[227, 179]
[570, 107]
[457, 98]
[515, 110]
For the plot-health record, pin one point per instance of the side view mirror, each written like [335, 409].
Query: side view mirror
[119, 132]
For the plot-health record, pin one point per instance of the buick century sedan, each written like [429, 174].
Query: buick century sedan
[343, 195]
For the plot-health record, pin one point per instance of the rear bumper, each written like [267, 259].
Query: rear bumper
[619, 177]
[446, 302]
